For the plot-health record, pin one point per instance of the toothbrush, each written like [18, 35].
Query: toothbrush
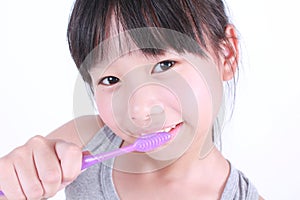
[142, 144]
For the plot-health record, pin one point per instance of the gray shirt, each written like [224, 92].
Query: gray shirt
[96, 182]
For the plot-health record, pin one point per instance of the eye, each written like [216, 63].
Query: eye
[163, 66]
[109, 80]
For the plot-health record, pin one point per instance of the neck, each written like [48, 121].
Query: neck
[189, 173]
[191, 166]
[139, 163]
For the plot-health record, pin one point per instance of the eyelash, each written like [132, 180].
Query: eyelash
[109, 80]
[169, 63]
[158, 68]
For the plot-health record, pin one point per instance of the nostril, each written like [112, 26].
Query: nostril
[141, 121]
[145, 118]
[156, 109]
[151, 116]
[145, 113]
[144, 105]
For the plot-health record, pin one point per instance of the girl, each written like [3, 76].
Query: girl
[151, 66]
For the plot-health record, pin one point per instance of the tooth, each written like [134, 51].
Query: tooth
[167, 129]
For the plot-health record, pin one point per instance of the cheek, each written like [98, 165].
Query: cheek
[103, 102]
[205, 108]
[202, 113]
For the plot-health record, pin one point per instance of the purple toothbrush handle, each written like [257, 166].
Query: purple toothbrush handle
[1, 193]
[89, 160]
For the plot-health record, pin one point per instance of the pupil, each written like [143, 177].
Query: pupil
[165, 65]
[113, 79]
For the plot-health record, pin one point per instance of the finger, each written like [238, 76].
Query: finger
[70, 157]
[47, 166]
[9, 181]
[28, 178]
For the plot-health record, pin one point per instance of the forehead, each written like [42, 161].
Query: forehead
[149, 40]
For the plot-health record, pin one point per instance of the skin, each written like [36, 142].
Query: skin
[44, 165]
[189, 176]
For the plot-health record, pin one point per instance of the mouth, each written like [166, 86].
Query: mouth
[172, 129]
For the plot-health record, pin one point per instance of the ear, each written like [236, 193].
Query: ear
[230, 53]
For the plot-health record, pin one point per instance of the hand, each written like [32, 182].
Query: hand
[39, 168]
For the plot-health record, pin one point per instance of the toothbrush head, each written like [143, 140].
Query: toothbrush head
[151, 141]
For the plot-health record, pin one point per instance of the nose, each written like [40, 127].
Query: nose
[145, 107]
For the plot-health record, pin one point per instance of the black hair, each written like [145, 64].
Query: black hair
[204, 21]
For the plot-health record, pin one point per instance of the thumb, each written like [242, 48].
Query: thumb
[70, 157]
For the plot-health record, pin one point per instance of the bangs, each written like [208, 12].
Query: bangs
[151, 41]
[171, 28]
[93, 22]
[145, 26]
[107, 27]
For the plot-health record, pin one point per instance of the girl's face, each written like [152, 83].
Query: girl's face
[177, 93]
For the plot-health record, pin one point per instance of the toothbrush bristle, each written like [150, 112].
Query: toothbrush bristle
[152, 141]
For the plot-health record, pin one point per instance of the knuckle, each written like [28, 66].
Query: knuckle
[37, 140]
[18, 197]
[69, 177]
[18, 155]
[35, 191]
[52, 176]
[71, 167]
[17, 194]
[73, 150]
[4, 162]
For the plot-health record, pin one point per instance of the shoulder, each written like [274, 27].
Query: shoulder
[238, 186]
[79, 130]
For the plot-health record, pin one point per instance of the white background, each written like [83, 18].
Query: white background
[38, 77]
